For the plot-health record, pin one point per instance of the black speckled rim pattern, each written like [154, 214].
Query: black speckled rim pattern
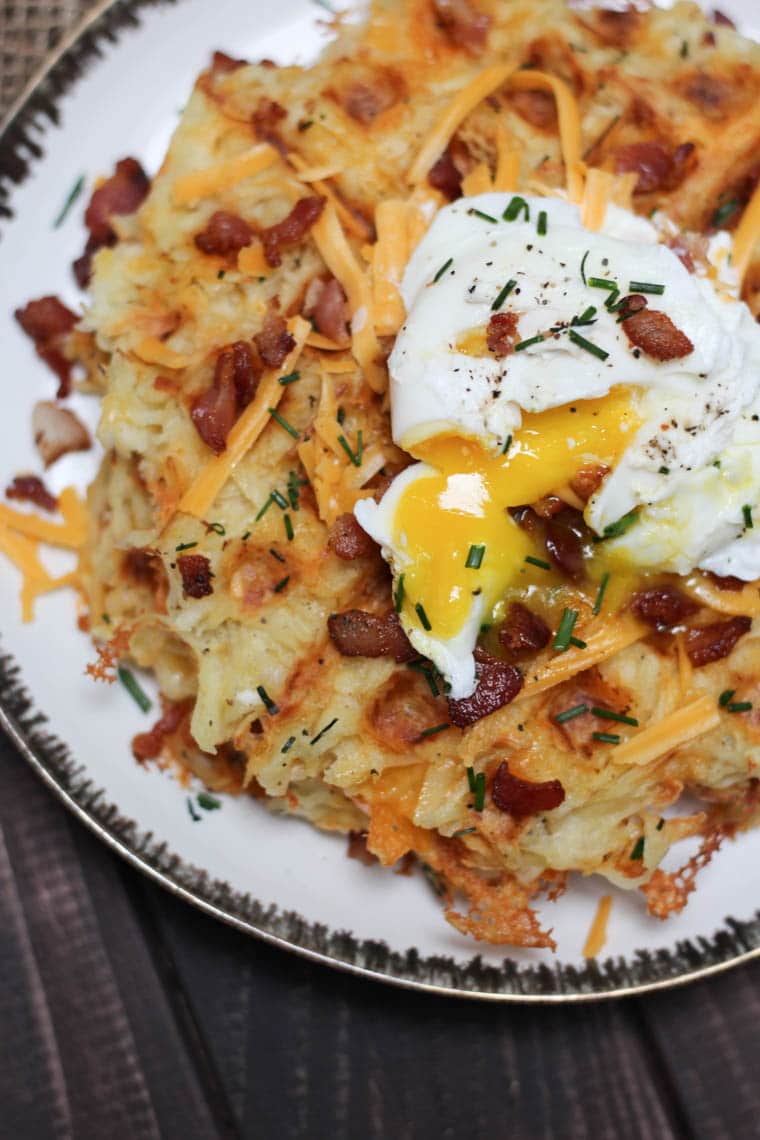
[21, 145]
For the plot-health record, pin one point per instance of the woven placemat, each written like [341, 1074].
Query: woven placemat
[28, 31]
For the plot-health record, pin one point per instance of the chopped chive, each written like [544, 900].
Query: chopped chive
[480, 791]
[646, 287]
[570, 714]
[542, 221]
[288, 527]
[565, 631]
[515, 207]
[738, 706]
[136, 693]
[246, 536]
[684, 52]
[216, 527]
[538, 562]
[471, 778]
[290, 378]
[576, 641]
[480, 214]
[106, 618]
[264, 509]
[284, 423]
[663, 470]
[527, 343]
[191, 809]
[356, 459]
[583, 267]
[322, 731]
[288, 744]
[185, 546]
[207, 802]
[267, 701]
[281, 585]
[724, 212]
[398, 594]
[621, 525]
[71, 198]
[463, 831]
[280, 499]
[587, 345]
[507, 445]
[435, 729]
[424, 619]
[725, 697]
[276, 554]
[638, 850]
[603, 283]
[420, 666]
[601, 592]
[341, 415]
[475, 557]
[503, 295]
[442, 270]
[660, 824]
[606, 737]
[586, 317]
[221, 274]
[610, 714]
[747, 513]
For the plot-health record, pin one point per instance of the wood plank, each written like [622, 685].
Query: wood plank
[102, 1054]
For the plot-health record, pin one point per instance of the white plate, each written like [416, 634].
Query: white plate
[117, 89]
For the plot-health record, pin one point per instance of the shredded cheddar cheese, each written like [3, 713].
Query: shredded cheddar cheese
[507, 161]
[680, 727]
[746, 236]
[569, 124]
[601, 643]
[154, 351]
[597, 935]
[389, 259]
[478, 181]
[190, 188]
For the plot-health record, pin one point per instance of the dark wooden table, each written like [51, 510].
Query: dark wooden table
[126, 1014]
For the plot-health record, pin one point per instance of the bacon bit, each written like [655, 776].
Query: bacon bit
[522, 631]
[196, 575]
[663, 607]
[236, 378]
[724, 582]
[710, 93]
[222, 63]
[497, 684]
[708, 643]
[403, 708]
[357, 633]
[537, 108]
[658, 167]
[668, 892]
[104, 668]
[82, 266]
[566, 538]
[654, 333]
[348, 540]
[521, 798]
[526, 518]
[265, 118]
[48, 322]
[149, 745]
[274, 342]
[326, 304]
[549, 506]
[357, 849]
[31, 489]
[465, 26]
[588, 480]
[224, 233]
[616, 28]
[57, 431]
[721, 20]
[501, 334]
[292, 229]
[122, 193]
[445, 176]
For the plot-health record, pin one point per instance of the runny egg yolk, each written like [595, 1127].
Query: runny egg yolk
[458, 514]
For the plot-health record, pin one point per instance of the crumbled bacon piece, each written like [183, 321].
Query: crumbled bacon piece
[617, 27]
[721, 20]
[708, 643]
[292, 229]
[657, 165]
[348, 540]
[196, 575]
[501, 334]
[223, 63]
[663, 607]
[274, 342]
[466, 26]
[521, 798]
[31, 489]
[265, 119]
[445, 176]
[357, 633]
[726, 581]
[47, 321]
[148, 745]
[522, 631]
[537, 108]
[236, 377]
[57, 431]
[586, 481]
[654, 333]
[403, 708]
[567, 538]
[224, 233]
[122, 193]
[326, 304]
[357, 848]
[710, 93]
[497, 684]
[238, 359]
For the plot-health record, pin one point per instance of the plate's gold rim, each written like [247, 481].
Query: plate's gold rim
[17, 734]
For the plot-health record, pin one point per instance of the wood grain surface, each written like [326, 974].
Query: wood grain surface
[124, 1013]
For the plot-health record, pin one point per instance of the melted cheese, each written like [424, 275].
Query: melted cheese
[680, 727]
[189, 188]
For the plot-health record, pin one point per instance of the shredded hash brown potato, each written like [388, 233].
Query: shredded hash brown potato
[215, 547]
